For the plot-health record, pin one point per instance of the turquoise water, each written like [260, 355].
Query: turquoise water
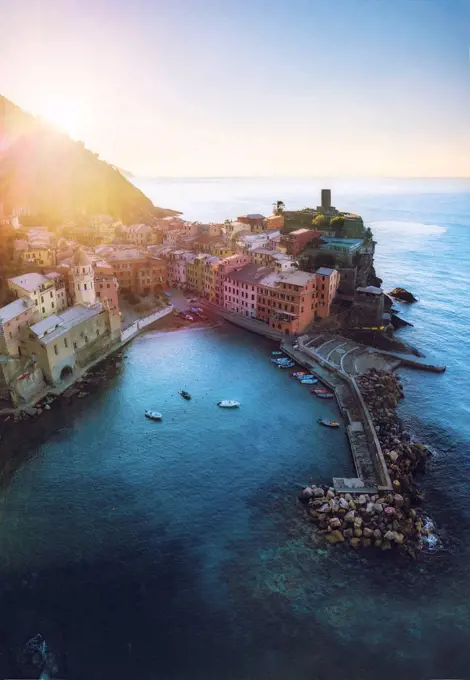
[175, 550]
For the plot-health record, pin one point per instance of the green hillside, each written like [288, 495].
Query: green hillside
[47, 173]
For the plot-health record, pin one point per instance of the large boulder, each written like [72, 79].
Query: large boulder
[402, 295]
[335, 523]
[335, 537]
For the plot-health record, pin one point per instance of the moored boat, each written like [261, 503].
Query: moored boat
[185, 395]
[306, 376]
[276, 353]
[328, 423]
[153, 415]
[309, 381]
[228, 403]
[325, 395]
[299, 374]
[290, 365]
[320, 390]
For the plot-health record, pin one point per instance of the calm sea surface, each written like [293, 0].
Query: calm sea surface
[175, 550]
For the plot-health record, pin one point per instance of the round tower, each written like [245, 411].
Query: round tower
[83, 279]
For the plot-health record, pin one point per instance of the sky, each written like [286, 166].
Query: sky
[208, 88]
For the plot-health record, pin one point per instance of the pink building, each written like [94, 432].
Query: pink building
[240, 289]
[224, 267]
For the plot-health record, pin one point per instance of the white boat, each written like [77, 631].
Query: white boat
[227, 403]
[153, 415]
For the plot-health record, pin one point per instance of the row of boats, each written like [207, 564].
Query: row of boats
[225, 403]
[305, 378]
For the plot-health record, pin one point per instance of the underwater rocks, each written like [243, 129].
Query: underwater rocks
[388, 519]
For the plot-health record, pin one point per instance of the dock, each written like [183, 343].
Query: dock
[371, 470]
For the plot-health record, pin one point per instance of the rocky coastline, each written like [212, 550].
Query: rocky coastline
[384, 520]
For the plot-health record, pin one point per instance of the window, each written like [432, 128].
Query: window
[75, 345]
[252, 297]
[84, 286]
[51, 294]
[66, 344]
[56, 349]
[42, 298]
[86, 338]
[10, 335]
[97, 331]
[52, 305]
[43, 310]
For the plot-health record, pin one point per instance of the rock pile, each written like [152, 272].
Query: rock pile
[383, 520]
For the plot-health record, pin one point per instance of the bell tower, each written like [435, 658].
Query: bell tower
[83, 279]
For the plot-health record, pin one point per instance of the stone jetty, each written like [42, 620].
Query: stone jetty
[385, 520]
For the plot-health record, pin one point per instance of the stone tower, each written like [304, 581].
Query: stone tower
[83, 279]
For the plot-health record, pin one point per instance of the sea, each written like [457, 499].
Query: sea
[176, 550]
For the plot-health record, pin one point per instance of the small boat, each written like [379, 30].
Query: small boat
[276, 353]
[185, 394]
[227, 403]
[328, 423]
[299, 374]
[286, 365]
[153, 415]
[305, 376]
[309, 381]
[320, 390]
[325, 395]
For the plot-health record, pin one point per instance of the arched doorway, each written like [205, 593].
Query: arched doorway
[66, 373]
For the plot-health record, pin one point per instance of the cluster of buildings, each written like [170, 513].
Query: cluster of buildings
[56, 325]
[66, 307]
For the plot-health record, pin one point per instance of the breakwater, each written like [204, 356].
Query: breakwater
[384, 519]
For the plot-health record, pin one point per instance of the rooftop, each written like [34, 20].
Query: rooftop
[254, 216]
[299, 231]
[127, 254]
[250, 273]
[15, 308]
[51, 328]
[80, 258]
[29, 282]
[324, 271]
[264, 251]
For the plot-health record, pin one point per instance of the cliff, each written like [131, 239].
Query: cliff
[44, 172]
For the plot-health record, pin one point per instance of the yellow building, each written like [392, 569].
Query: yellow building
[62, 344]
[43, 256]
[210, 268]
[48, 292]
[221, 250]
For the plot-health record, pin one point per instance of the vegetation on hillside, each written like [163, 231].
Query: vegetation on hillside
[44, 172]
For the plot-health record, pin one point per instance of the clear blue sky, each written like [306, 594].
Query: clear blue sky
[260, 87]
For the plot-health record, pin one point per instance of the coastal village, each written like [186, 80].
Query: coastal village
[82, 290]
[64, 307]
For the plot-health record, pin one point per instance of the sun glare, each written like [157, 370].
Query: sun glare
[65, 114]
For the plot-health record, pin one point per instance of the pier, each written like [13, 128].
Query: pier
[371, 470]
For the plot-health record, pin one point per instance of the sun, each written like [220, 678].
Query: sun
[66, 114]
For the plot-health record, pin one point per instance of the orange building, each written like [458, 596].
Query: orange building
[299, 239]
[137, 271]
[327, 285]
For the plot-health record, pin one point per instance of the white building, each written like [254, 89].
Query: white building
[83, 279]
